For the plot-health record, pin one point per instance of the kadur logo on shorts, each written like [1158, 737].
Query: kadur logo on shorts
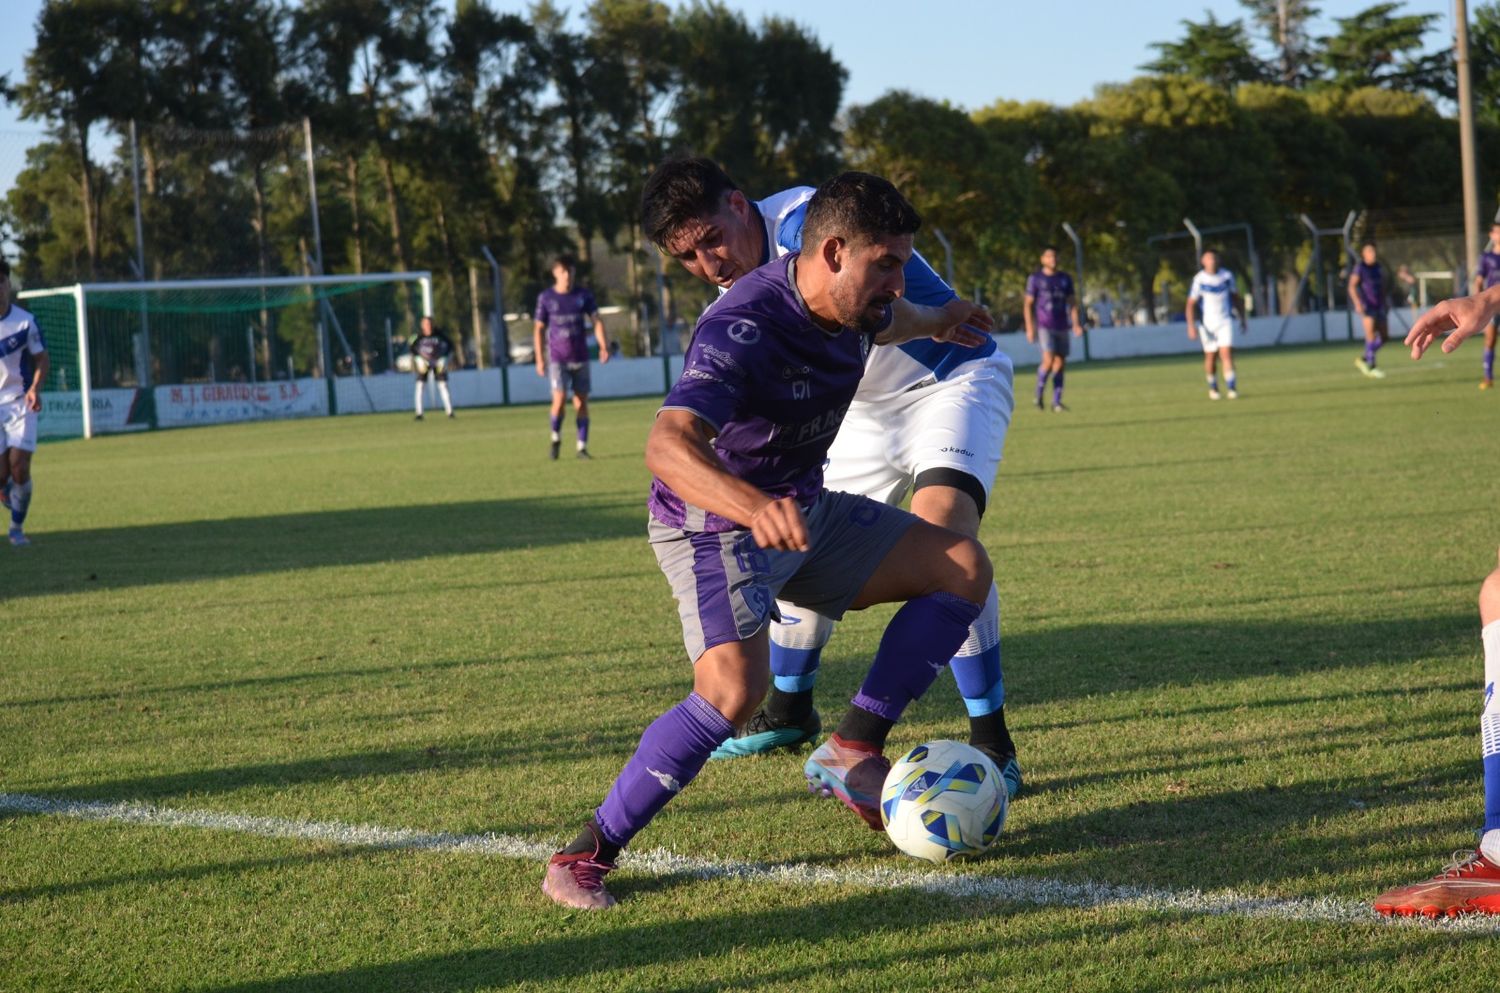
[744, 332]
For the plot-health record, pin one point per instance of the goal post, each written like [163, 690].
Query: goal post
[136, 356]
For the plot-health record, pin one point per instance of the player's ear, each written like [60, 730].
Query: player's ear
[738, 205]
[831, 251]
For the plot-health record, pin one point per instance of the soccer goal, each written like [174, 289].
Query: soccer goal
[137, 356]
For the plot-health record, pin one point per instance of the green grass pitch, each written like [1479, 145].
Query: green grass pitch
[1241, 650]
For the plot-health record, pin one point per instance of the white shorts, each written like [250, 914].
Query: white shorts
[959, 423]
[1215, 336]
[17, 426]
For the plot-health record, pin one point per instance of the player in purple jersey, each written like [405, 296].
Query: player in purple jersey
[1368, 297]
[1051, 303]
[929, 419]
[1488, 276]
[739, 516]
[562, 316]
[1471, 882]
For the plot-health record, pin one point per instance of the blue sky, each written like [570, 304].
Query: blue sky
[968, 52]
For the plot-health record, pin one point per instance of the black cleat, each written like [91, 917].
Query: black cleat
[1010, 769]
[417, 418]
[583, 453]
[761, 735]
[556, 447]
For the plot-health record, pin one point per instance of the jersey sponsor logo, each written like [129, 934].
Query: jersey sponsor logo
[667, 780]
[865, 513]
[793, 371]
[695, 373]
[719, 357]
[819, 427]
[744, 332]
[801, 390]
[957, 451]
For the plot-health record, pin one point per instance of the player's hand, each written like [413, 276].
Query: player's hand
[541, 369]
[778, 524]
[603, 355]
[34, 400]
[1464, 316]
[967, 323]
[1078, 330]
[1192, 333]
[1031, 337]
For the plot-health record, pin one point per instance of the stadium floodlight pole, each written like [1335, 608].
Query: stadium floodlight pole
[312, 192]
[1078, 279]
[1466, 140]
[499, 332]
[947, 252]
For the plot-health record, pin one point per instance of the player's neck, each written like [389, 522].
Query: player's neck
[1049, 270]
[813, 293]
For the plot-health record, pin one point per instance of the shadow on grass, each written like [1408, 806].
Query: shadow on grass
[112, 558]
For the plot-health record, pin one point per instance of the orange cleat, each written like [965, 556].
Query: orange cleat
[1470, 884]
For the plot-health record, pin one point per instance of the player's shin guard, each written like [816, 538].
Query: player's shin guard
[1489, 733]
[420, 384]
[796, 652]
[447, 399]
[20, 502]
[916, 646]
[673, 750]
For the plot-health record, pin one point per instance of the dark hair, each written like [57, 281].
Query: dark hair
[681, 190]
[857, 206]
[4, 268]
[1049, 248]
[1210, 251]
[566, 261]
[1367, 243]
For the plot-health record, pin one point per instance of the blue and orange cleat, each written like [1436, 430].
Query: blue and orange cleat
[761, 735]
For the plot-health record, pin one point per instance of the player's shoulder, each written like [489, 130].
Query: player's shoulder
[789, 199]
[18, 315]
[757, 301]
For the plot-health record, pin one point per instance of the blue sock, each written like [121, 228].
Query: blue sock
[20, 502]
[1057, 387]
[556, 423]
[976, 667]
[1230, 380]
[1213, 382]
[797, 648]
[1041, 381]
[583, 431]
[916, 646]
[1489, 727]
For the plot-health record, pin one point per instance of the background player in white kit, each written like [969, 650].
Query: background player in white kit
[1214, 288]
[929, 418]
[23, 369]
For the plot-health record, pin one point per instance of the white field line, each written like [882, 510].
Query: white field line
[1023, 890]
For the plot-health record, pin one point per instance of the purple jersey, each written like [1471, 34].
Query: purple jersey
[1371, 287]
[566, 317]
[773, 385]
[1051, 295]
[1489, 268]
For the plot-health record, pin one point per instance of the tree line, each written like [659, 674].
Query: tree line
[439, 131]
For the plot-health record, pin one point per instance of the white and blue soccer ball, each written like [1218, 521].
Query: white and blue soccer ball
[943, 800]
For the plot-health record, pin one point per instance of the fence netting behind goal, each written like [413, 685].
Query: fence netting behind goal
[172, 356]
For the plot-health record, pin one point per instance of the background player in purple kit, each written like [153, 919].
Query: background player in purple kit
[1488, 276]
[563, 314]
[739, 515]
[1050, 302]
[1367, 296]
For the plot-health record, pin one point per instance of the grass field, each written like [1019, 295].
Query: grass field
[1240, 642]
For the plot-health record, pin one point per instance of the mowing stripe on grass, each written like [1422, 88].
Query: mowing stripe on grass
[1042, 892]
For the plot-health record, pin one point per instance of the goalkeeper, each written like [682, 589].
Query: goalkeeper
[431, 353]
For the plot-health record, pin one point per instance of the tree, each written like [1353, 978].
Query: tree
[1285, 25]
[1378, 47]
[1211, 53]
[1484, 61]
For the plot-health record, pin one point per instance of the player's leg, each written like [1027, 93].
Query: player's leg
[558, 377]
[859, 461]
[941, 577]
[421, 380]
[1489, 355]
[724, 586]
[1044, 369]
[19, 457]
[1060, 363]
[1471, 884]
[582, 387]
[1210, 355]
[442, 385]
[1226, 362]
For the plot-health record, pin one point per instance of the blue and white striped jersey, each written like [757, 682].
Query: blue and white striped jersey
[20, 339]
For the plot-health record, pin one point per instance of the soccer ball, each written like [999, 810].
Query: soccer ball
[403, 362]
[943, 800]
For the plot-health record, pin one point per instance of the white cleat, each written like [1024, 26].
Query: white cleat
[1213, 394]
[1234, 394]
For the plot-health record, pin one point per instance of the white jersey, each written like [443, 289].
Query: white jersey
[1216, 291]
[20, 339]
[890, 369]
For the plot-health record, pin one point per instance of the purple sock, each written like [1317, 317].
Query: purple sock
[672, 751]
[1041, 381]
[1057, 384]
[556, 423]
[1489, 363]
[916, 646]
[583, 430]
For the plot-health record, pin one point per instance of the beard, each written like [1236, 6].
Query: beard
[865, 315]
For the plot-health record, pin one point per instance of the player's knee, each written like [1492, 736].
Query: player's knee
[972, 573]
[1489, 598]
[737, 701]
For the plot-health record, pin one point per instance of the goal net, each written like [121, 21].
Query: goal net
[136, 356]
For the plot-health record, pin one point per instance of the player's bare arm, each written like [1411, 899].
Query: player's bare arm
[1463, 316]
[959, 321]
[1077, 319]
[34, 392]
[679, 454]
[1028, 313]
[601, 339]
[1359, 305]
[1192, 319]
[536, 339]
